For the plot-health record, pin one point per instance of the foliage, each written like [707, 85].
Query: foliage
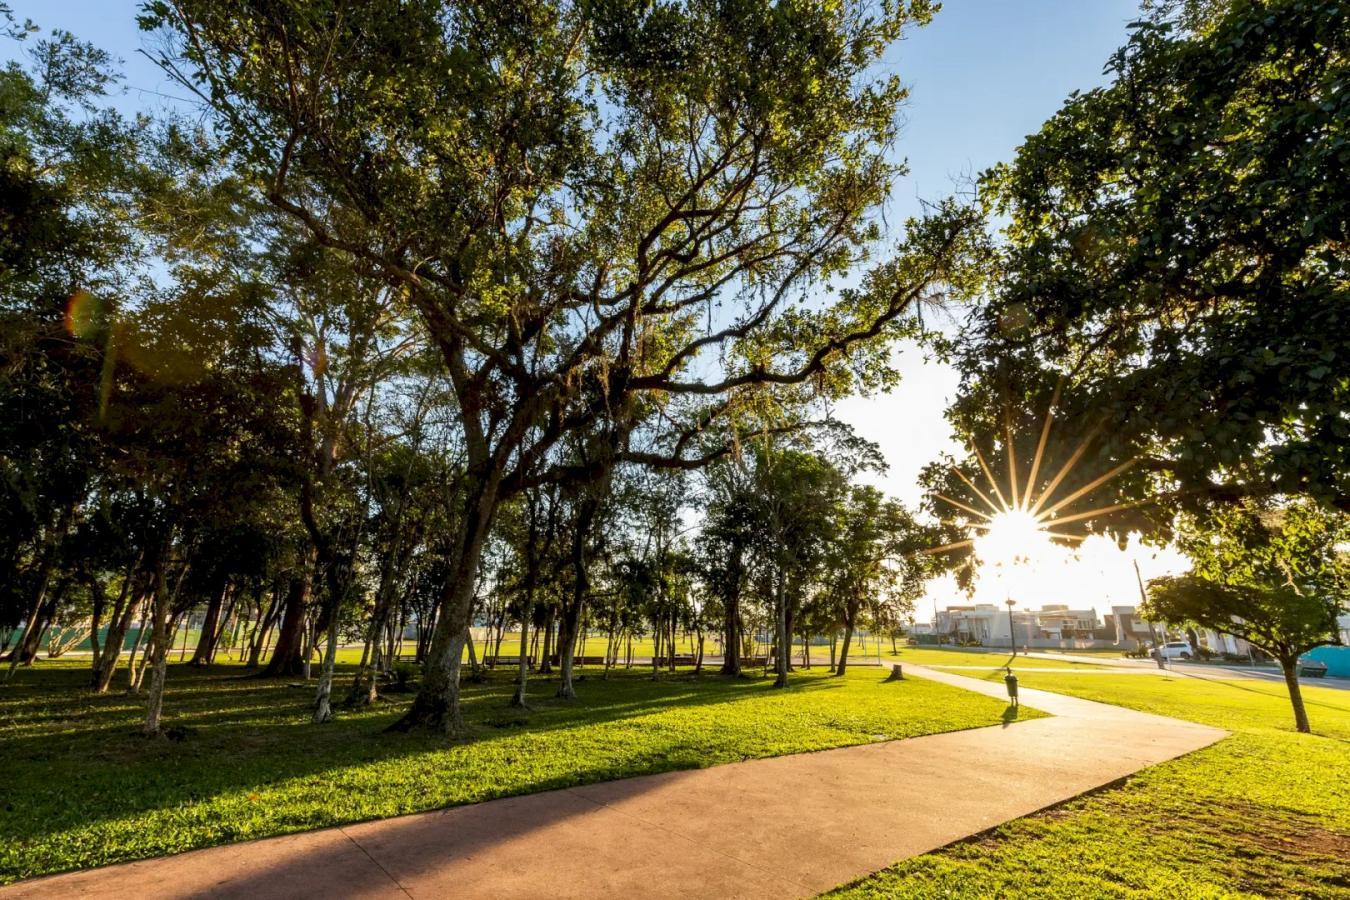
[1174, 261]
[1275, 576]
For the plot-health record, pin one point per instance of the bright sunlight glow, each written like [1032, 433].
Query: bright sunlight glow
[1013, 537]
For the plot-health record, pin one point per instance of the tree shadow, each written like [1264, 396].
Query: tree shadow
[98, 776]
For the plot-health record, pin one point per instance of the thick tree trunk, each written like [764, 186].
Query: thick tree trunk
[731, 633]
[26, 652]
[436, 705]
[571, 620]
[1290, 666]
[842, 666]
[287, 656]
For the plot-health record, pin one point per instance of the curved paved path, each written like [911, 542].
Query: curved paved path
[791, 826]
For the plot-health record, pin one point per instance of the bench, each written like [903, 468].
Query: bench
[1312, 669]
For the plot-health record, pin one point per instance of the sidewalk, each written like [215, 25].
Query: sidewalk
[791, 826]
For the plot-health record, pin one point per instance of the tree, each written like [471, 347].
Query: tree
[1175, 253]
[582, 202]
[875, 557]
[724, 543]
[798, 494]
[1273, 575]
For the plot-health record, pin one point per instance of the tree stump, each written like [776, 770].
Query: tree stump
[896, 674]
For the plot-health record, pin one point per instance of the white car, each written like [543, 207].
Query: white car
[1176, 650]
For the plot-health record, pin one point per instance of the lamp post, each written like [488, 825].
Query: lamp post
[1012, 638]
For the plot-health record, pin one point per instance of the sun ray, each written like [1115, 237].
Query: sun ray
[1101, 510]
[983, 526]
[1045, 437]
[945, 547]
[1010, 444]
[1059, 535]
[1003, 503]
[959, 505]
[979, 493]
[1065, 470]
[1091, 485]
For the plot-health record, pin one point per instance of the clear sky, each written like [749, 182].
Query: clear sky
[982, 76]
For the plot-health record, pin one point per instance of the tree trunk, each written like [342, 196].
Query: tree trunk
[118, 623]
[842, 666]
[287, 656]
[142, 610]
[731, 631]
[159, 641]
[50, 546]
[527, 610]
[473, 654]
[263, 627]
[571, 618]
[323, 708]
[26, 651]
[546, 660]
[1290, 666]
[436, 705]
[781, 638]
[96, 620]
[206, 641]
[850, 620]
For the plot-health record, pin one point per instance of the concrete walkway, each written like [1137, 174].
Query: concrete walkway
[792, 826]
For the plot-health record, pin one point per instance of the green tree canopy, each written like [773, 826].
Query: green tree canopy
[1276, 576]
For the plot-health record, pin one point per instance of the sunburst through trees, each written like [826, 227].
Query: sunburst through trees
[1013, 519]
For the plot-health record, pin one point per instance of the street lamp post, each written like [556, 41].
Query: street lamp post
[1012, 637]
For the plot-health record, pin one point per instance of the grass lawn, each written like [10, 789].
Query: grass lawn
[82, 789]
[1265, 812]
[939, 658]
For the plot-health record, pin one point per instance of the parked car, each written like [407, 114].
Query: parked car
[1176, 650]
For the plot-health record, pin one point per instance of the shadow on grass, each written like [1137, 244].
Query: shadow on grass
[79, 764]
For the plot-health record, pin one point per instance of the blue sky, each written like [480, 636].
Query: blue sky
[983, 75]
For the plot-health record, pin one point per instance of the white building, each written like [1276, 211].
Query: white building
[988, 623]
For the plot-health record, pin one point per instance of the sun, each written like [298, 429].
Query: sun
[1018, 520]
[1013, 537]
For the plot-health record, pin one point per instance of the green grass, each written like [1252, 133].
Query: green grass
[939, 658]
[81, 788]
[1265, 812]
